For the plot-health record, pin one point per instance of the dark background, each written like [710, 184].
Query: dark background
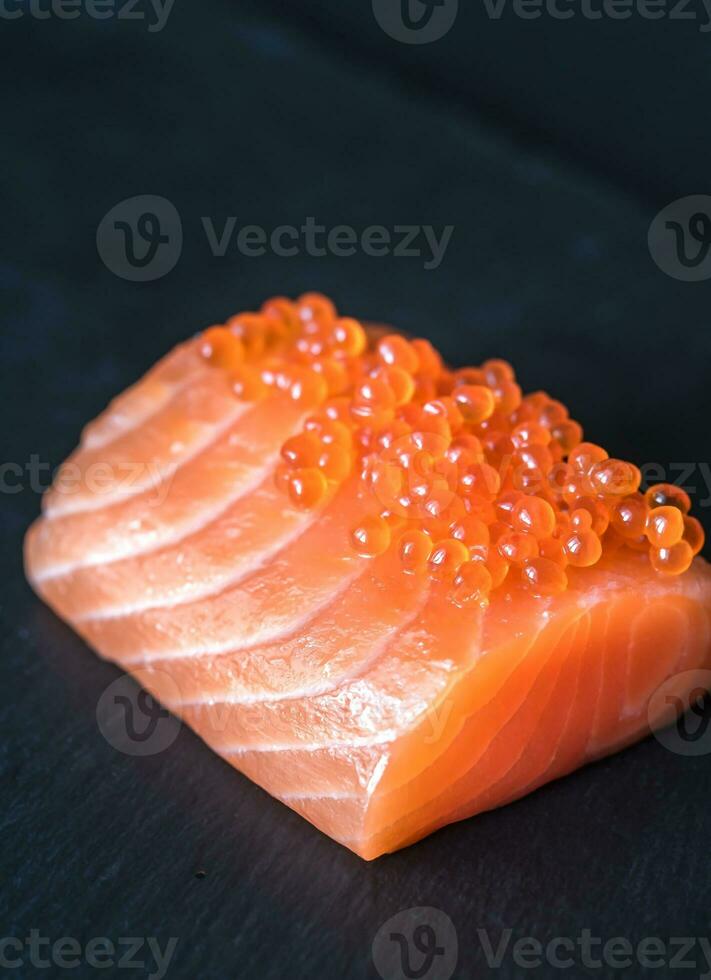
[549, 146]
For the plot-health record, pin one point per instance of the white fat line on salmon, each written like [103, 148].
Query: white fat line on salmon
[219, 711]
[73, 478]
[360, 742]
[212, 588]
[117, 420]
[178, 532]
[100, 952]
[266, 635]
[595, 952]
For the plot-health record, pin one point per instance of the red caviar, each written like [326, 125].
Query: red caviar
[665, 526]
[468, 479]
[415, 549]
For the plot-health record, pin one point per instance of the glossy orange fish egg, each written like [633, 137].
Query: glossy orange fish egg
[629, 516]
[371, 536]
[530, 434]
[347, 337]
[498, 372]
[248, 385]
[401, 384]
[446, 557]
[475, 402]
[302, 450]
[497, 566]
[583, 548]
[428, 359]
[474, 533]
[395, 351]
[553, 548]
[414, 549]
[507, 396]
[534, 516]
[614, 477]
[307, 487]
[665, 526]
[222, 349]
[516, 547]
[316, 308]
[544, 577]
[673, 560]
[585, 456]
[668, 494]
[472, 583]
[335, 463]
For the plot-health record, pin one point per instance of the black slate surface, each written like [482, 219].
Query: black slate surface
[236, 111]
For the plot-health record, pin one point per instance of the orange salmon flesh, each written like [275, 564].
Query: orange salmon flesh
[362, 697]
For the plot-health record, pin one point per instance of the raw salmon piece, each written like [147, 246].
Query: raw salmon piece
[380, 705]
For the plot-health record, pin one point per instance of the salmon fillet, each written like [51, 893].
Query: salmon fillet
[364, 698]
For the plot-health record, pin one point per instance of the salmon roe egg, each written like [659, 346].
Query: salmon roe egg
[583, 548]
[534, 516]
[348, 337]
[446, 557]
[585, 456]
[302, 450]
[629, 516]
[472, 583]
[498, 372]
[568, 435]
[554, 549]
[330, 431]
[307, 387]
[581, 519]
[673, 560]
[614, 477]
[371, 537]
[429, 361]
[247, 384]
[544, 577]
[665, 526]
[668, 494]
[221, 348]
[472, 531]
[333, 372]
[507, 397]
[530, 434]
[316, 308]
[475, 402]
[414, 549]
[335, 463]
[282, 310]
[401, 384]
[307, 487]
[395, 351]
[516, 547]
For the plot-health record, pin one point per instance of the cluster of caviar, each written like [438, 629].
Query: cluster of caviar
[470, 481]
